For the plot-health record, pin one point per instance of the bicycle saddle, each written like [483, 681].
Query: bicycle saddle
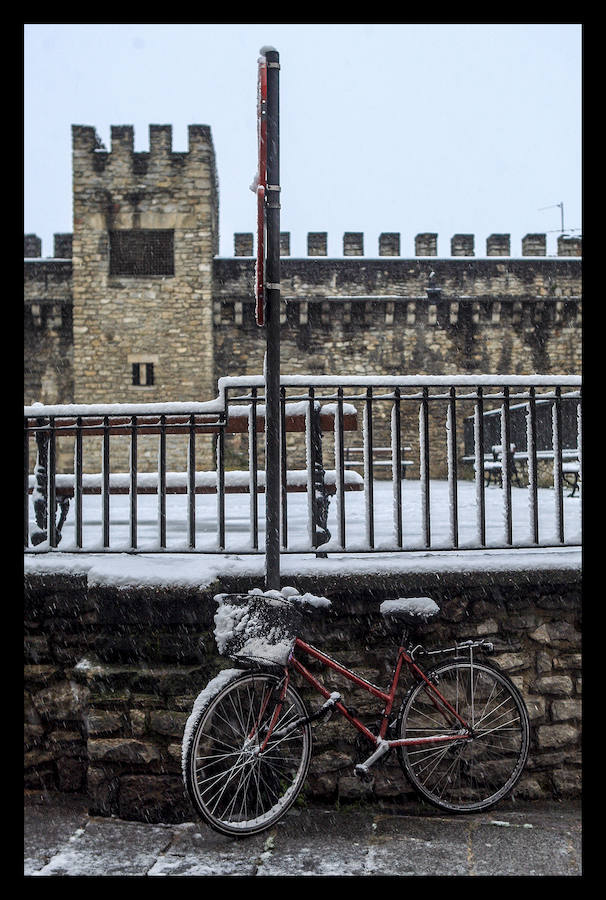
[410, 610]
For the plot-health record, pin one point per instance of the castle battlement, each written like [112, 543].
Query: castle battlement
[141, 279]
[532, 245]
[426, 244]
[90, 152]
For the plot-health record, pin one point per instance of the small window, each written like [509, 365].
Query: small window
[141, 252]
[143, 374]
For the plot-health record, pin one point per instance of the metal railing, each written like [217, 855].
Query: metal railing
[443, 503]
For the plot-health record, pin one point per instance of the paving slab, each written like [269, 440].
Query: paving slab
[517, 839]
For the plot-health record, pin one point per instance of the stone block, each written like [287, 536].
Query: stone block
[554, 736]
[568, 782]
[168, 722]
[556, 633]
[64, 700]
[562, 710]
[148, 798]
[559, 685]
[71, 773]
[102, 721]
[122, 750]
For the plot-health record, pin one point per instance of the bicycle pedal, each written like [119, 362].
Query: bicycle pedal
[361, 772]
[324, 713]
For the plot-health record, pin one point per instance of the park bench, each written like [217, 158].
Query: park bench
[571, 475]
[493, 466]
[238, 421]
[354, 457]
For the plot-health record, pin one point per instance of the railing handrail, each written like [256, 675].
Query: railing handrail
[229, 382]
[234, 381]
[391, 408]
[178, 407]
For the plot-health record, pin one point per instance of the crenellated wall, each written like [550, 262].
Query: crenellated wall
[48, 331]
[86, 326]
[406, 316]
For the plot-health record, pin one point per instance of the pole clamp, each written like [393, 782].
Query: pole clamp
[273, 65]
[273, 286]
[272, 187]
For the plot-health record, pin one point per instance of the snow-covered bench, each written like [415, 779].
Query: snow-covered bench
[493, 466]
[354, 457]
[238, 482]
[239, 421]
[571, 474]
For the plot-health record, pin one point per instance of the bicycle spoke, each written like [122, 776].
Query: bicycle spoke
[475, 772]
[237, 787]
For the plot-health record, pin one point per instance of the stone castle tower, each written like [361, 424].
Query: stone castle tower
[145, 234]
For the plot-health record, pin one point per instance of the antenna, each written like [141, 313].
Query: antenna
[556, 206]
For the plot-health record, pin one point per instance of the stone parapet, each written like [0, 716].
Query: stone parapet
[111, 675]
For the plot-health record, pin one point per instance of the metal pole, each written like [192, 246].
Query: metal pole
[272, 325]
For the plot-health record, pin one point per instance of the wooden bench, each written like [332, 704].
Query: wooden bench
[235, 482]
[385, 457]
[571, 475]
[493, 466]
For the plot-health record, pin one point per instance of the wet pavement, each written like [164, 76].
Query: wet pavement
[520, 839]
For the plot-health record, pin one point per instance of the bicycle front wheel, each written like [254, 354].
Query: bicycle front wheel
[479, 770]
[238, 785]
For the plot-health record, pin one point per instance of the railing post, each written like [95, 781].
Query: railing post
[479, 464]
[78, 481]
[505, 467]
[252, 468]
[283, 469]
[162, 483]
[368, 470]
[557, 464]
[105, 482]
[51, 473]
[340, 466]
[396, 457]
[191, 483]
[451, 419]
[424, 463]
[220, 467]
[26, 485]
[533, 486]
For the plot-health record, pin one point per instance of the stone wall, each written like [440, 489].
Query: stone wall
[111, 675]
[47, 331]
[375, 316]
[394, 316]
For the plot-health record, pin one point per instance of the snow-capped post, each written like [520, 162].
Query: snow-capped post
[272, 321]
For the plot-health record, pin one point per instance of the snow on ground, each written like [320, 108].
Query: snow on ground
[177, 568]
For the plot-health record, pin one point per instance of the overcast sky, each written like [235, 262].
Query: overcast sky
[408, 128]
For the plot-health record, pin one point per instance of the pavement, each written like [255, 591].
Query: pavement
[515, 839]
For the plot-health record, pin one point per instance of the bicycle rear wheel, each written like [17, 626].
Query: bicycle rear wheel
[236, 787]
[476, 772]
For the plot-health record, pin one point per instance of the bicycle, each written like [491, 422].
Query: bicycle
[461, 733]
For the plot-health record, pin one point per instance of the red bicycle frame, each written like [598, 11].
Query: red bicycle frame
[387, 697]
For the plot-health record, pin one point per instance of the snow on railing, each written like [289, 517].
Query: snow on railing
[405, 457]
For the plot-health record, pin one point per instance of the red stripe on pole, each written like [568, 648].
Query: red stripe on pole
[260, 266]
[261, 185]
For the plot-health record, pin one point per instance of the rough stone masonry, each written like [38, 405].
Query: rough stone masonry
[111, 676]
